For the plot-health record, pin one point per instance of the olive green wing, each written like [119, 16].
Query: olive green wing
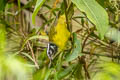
[52, 31]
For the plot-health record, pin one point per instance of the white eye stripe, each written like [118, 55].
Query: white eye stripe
[48, 49]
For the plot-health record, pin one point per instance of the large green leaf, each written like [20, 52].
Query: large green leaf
[76, 51]
[38, 5]
[95, 13]
[16, 68]
[108, 71]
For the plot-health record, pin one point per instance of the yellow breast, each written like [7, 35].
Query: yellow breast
[62, 34]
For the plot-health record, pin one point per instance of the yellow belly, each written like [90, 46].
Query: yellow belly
[62, 35]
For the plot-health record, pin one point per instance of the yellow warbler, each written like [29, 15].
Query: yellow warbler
[58, 37]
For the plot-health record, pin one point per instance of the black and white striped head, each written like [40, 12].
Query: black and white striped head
[51, 50]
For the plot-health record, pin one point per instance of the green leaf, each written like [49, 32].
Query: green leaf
[28, 5]
[78, 72]
[2, 4]
[70, 11]
[16, 69]
[40, 74]
[38, 5]
[2, 38]
[108, 71]
[48, 74]
[95, 13]
[65, 72]
[27, 55]
[76, 51]
[19, 6]
[103, 3]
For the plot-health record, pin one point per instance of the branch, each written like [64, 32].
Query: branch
[95, 54]
[33, 56]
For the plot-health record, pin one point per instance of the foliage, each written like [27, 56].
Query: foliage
[92, 52]
[38, 5]
[11, 68]
[108, 72]
[99, 18]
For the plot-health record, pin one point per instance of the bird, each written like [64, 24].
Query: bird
[58, 37]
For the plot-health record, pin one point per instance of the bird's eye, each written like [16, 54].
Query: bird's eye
[51, 50]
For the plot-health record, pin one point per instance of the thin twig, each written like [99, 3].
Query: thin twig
[95, 54]
[33, 56]
[85, 66]
[83, 45]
